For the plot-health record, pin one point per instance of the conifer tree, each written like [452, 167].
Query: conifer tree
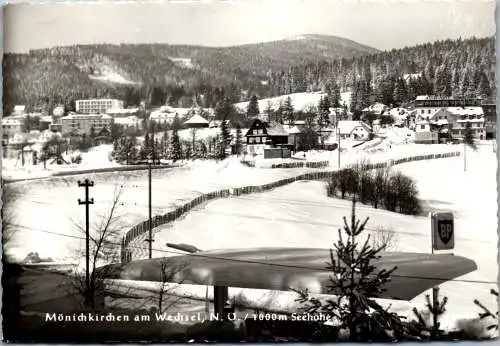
[435, 309]
[355, 282]
[175, 152]
[225, 139]
[278, 113]
[400, 93]
[146, 147]
[269, 111]
[253, 107]
[335, 97]
[483, 89]
[239, 140]
[487, 313]
[287, 110]
[324, 112]
[469, 136]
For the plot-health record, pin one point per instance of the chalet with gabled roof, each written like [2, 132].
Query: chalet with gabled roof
[262, 135]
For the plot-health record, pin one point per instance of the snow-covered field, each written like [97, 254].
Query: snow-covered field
[301, 215]
[95, 158]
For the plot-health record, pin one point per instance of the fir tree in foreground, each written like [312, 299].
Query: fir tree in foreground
[487, 313]
[435, 309]
[355, 282]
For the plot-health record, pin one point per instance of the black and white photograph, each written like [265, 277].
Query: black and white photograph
[249, 171]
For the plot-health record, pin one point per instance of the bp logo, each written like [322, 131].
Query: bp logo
[443, 237]
[445, 230]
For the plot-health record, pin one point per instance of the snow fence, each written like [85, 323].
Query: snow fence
[158, 220]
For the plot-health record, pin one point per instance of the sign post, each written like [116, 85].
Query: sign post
[442, 238]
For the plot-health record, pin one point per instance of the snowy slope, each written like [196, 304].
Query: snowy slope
[300, 101]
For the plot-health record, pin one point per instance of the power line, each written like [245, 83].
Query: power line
[108, 244]
[291, 201]
[327, 224]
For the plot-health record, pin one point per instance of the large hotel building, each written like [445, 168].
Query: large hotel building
[97, 106]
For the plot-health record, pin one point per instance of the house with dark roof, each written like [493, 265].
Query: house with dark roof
[262, 135]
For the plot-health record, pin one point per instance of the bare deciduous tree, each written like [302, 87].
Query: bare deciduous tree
[8, 212]
[169, 271]
[384, 237]
[103, 249]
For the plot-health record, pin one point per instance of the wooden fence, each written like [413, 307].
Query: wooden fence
[158, 220]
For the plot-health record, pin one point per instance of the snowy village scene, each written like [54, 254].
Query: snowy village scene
[261, 171]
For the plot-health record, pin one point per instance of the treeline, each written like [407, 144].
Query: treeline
[47, 77]
[382, 188]
[449, 68]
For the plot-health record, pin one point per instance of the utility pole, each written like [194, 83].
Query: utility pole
[87, 184]
[465, 156]
[338, 146]
[150, 223]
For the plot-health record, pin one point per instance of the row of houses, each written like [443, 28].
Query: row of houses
[264, 136]
[440, 124]
[99, 114]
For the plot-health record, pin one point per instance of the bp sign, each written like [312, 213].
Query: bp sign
[443, 231]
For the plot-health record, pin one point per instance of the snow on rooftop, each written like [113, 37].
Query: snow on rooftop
[122, 110]
[19, 108]
[466, 110]
[84, 116]
[347, 126]
[12, 122]
[196, 119]
[292, 130]
[412, 76]
[422, 97]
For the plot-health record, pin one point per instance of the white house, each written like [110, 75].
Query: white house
[352, 129]
[11, 126]
[161, 117]
[130, 121]
[122, 112]
[19, 109]
[462, 115]
[84, 123]
[97, 106]
[197, 121]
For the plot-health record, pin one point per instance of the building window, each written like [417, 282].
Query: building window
[258, 139]
[422, 127]
[251, 140]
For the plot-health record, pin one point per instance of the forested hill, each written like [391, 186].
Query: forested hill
[62, 73]
[449, 68]
[184, 75]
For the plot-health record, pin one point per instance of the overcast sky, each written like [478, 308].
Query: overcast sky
[380, 24]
